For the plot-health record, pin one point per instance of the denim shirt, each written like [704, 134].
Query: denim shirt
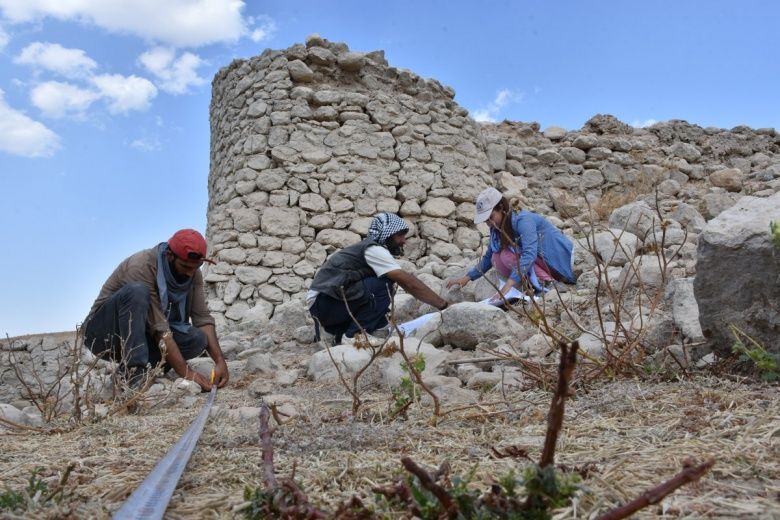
[534, 236]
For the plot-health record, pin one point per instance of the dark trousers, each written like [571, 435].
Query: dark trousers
[118, 330]
[370, 311]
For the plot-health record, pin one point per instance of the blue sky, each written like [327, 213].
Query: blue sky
[104, 131]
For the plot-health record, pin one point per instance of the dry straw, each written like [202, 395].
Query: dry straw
[624, 436]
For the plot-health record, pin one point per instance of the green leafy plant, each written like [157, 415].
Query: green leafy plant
[258, 504]
[774, 230]
[532, 497]
[37, 490]
[546, 490]
[751, 351]
[407, 392]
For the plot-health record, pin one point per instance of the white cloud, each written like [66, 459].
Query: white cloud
[147, 144]
[125, 93]
[483, 116]
[265, 28]
[56, 99]
[639, 124]
[4, 38]
[491, 111]
[20, 135]
[174, 75]
[180, 23]
[73, 63]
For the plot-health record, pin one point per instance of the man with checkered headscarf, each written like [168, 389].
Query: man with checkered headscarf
[354, 288]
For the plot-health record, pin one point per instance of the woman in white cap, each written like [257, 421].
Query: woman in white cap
[524, 247]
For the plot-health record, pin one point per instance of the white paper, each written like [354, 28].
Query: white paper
[412, 325]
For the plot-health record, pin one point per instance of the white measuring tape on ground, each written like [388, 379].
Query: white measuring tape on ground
[412, 325]
[150, 499]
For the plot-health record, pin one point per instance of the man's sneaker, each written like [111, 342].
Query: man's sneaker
[383, 332]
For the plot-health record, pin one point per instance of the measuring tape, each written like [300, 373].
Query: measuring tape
[150, 499]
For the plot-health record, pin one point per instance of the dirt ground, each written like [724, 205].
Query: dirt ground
[623, 436]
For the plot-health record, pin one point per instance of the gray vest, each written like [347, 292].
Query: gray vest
[340, 275]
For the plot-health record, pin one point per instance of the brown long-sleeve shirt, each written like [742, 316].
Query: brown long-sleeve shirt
[142, 267]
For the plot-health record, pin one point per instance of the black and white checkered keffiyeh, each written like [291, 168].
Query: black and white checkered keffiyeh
[384, 225]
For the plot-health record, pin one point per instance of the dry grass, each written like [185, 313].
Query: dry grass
[629, 434]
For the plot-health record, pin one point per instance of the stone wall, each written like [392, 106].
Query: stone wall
[309, 142]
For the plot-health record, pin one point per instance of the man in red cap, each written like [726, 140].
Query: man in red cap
[157, 296]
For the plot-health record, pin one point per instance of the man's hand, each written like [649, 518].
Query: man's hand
[221, 374]
[417, 288]
[199, 378]
[460, 282]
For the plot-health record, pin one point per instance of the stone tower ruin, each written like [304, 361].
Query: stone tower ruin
[307, 144]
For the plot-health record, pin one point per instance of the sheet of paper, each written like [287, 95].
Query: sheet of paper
[513, 294]
[412, 325]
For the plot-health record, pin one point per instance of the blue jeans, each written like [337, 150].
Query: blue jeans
[119, 330]
[370, 311]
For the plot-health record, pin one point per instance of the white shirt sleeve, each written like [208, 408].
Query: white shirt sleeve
[380, 260]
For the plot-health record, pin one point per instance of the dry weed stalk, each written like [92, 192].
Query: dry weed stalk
[624, 347]
[73, 393]
[690, 473]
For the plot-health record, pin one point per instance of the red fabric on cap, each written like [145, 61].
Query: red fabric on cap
[186, 241]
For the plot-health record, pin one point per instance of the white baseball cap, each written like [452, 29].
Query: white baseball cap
[485, 203]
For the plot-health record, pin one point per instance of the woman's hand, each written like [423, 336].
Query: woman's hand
[460, 282]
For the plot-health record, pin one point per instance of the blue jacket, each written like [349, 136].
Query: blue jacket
[534, 236]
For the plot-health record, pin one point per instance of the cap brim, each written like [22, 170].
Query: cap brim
[479, 218]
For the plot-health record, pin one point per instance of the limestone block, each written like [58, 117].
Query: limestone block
[281, 222]
[464, 325]
[636, 218]
[312, 202]
[496, 154]
[748, 297]
[686, 151]
[348, 358]
[548, 156]
[438, 207]
[616, 247]
[644, 272]
[572, 154]
[257, 109]
[685, 310]
[468, 238]
[252, 275]
[730, 179]
[435, 361]
[337, 238]
[555, 133]
[300, 72]
[233, 255]
[585, 142]
[350, 61]
[716, 203]
[245, 220]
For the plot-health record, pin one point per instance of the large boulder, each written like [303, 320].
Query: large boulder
[464, 325]
[616, 247]
[637, 218]
[350, 359]
[738, 275]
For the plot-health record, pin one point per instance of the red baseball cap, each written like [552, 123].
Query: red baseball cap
[188, 244]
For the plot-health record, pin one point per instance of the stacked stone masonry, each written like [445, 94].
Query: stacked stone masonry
[308, 143]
